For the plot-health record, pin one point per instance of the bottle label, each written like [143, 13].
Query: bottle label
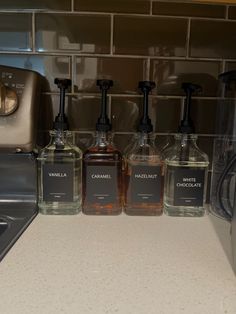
[188, 186]
[101, 184]
[145, 184]
[58, 182]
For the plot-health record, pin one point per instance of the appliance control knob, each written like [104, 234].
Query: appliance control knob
[8, 100]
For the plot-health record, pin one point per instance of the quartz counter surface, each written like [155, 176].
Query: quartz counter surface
[122, 264]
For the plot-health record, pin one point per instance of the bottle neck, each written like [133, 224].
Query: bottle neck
[60, 138]
[145, 138]
[103, 139]
[184, 139]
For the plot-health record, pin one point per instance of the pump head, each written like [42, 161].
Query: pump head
[186, 124]
[61, 122]
[145, 124]
[103, 123]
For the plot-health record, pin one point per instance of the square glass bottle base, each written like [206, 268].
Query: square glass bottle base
[183, 211]
[101, 210]
[55, 208]
[142, 211]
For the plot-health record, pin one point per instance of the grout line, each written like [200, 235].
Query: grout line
[167, 97]
[151, 5]
[72, 6]
[33, 32]
[109, 108]
[227, 12]
[72, 69]
[188, 38]
[182, 108]
[45, 11]
[112, 34]
[223, 66]
[97, 55]
[147, 75]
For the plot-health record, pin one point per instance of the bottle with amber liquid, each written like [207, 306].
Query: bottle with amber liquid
[102, 167]
[143, 191]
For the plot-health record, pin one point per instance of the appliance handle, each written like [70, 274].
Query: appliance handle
[227, 211]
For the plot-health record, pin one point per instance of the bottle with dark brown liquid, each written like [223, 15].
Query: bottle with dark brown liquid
[102, 168]
[144, 167]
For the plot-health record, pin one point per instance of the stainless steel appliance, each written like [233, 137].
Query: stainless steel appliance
[223, 187]
[19, 103]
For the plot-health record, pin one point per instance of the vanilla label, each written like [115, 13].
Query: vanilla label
[58, 182]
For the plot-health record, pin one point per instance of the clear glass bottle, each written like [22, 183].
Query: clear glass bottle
[59, 175]
[143, 173]
[143, 177]
[185, 178]
[102, 167]
[102, 177]
[59, 166]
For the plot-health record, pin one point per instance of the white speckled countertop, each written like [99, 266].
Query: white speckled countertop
[130, 265]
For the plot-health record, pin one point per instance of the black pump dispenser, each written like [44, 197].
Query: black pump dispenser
[61, 123]
[186, 125]
[145, 124]
[103, 123]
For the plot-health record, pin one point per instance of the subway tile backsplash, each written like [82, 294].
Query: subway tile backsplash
[80, 33]
[188, 9]
[166, 41]
[150, 36]
[15, 36]
[214, 39]
[114, 6]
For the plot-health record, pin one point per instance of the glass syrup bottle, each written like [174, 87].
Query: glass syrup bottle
[59, 167]
[185, 168]
[102, 167]
[143, 191]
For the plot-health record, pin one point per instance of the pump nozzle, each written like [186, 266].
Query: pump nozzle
[186, 124]
[103, 123]
[61, 122]
[145, 124]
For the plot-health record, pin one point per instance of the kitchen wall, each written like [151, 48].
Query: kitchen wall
[127, 41]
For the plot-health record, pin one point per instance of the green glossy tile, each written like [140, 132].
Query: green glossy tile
[80, 33]
[15, 36]
[213, 39]
[203, 113]
[232, 12]
[121, 141]
[165, 114]
[114, 6]
[230, 66]
[188, 9]
[83, 112]
[124, 72]
[35, 5]
[151, 36]
[83, 140]
[170, 74]
[126, 114]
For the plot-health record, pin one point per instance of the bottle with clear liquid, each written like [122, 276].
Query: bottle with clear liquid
[102, 167]
[59, 168]
[185, 169]
[143, 188]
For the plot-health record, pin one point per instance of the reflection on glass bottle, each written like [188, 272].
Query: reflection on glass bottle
[144, 167]
[59, 167]
[185, 168]
[102, 167]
